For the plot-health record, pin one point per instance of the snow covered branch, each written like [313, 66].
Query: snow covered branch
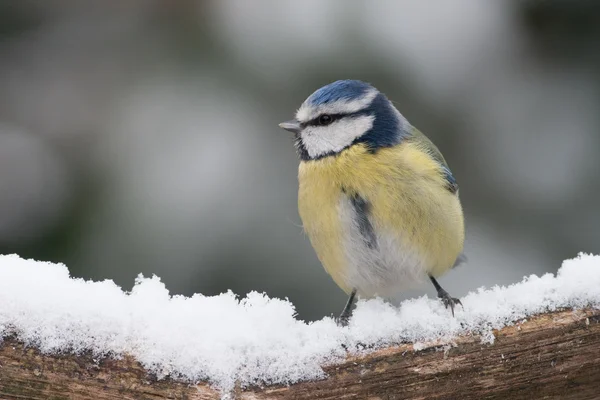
[555, 354]
[69, 338]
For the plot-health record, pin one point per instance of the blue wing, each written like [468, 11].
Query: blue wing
[452, 185]
[428, 146]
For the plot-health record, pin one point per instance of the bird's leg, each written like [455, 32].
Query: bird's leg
[448, 300]
[347, 311]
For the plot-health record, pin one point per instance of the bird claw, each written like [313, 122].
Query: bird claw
[342, 320]
[449, 301]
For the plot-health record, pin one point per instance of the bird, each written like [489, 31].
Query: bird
[376, 197]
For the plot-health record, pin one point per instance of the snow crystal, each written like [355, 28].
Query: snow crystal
[254, 340]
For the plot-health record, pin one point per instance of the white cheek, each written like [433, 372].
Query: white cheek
[320, 140]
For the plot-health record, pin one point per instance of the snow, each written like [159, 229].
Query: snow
[253, 340]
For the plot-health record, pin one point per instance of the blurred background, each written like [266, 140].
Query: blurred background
[141, 136]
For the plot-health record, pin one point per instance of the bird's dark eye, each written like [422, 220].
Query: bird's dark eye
[325, 119]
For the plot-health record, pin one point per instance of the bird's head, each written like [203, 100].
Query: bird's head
[342, 114]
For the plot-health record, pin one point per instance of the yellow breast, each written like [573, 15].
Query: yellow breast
[408, 198]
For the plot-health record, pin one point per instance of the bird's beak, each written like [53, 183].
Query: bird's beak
[292, 126]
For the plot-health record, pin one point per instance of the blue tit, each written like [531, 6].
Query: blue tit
[376, 197]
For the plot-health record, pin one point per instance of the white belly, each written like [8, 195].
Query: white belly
[383, 266]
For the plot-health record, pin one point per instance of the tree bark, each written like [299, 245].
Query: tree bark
[550, 356]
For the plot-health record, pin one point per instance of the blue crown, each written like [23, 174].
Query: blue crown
[339, 90]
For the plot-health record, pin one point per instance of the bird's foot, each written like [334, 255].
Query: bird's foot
[344, 317]
[342, 320]
[449, 301]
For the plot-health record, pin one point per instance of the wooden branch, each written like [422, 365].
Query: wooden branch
[555, 355]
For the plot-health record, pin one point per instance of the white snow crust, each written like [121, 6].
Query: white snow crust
[253, 340]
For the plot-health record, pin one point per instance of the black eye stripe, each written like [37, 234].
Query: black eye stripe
[315, 121]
